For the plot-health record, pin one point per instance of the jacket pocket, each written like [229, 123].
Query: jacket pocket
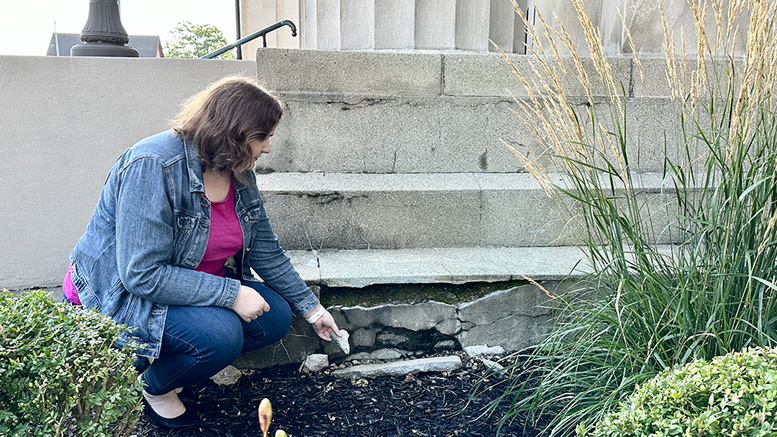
[184, 236]
[85, 293]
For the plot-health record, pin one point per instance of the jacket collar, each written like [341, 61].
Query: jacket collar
[194, 167]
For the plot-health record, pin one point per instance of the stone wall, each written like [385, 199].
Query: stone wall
[503, 321]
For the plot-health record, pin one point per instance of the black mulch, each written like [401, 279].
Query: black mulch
[427, 404]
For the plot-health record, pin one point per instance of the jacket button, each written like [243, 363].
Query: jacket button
[246, 218]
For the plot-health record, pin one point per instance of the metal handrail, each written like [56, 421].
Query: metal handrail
[252, 37]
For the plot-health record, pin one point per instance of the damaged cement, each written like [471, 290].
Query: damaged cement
[512, 318]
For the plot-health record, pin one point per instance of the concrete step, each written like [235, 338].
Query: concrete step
[397, 211]
[456, 265]
[397, 112]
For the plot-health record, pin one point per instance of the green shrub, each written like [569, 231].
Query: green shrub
[735, 394]
[60, 373]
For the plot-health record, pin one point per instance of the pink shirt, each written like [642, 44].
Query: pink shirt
[225, 238]
[69, 289]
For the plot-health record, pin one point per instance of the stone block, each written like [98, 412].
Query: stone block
[394, 24]
[526, 300]
[652, 132]
[371, 211]
[380, 354]
[391, 339]
[314, 363]
[511, 333]
[227, 376]
[360, 268]
[435, 24]
[414, 317]
[427, 134]
[481, 349]
[357, 25]
[445, 345]
[306, 264]
[490, 74]
[517, 212]
[399, 368]
[350, 72]
[449, 327]
[363, 337]
[656, 84]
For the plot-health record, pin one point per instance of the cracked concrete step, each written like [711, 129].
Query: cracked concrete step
[396, 211]
[360, 268]
[385, 112]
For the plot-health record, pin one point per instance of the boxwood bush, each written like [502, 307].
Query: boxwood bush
[60, 373]
[735, 394]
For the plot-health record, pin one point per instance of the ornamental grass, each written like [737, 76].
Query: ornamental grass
[647, 307]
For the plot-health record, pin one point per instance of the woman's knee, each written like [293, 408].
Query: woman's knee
[276, 322]
[224, 336]
[213, 333]
[271, 326]
[282, 318]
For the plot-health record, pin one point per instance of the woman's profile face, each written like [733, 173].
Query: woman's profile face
[259, 148]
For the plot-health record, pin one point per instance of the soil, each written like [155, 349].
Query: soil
[426, 404]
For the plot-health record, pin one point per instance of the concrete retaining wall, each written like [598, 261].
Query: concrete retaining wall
[65, 121]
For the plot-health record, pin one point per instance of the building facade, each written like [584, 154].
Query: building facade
[468, 25]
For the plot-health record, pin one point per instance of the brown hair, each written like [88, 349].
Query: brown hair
[223, 119]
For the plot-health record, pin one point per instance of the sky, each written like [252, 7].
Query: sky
[26, 26]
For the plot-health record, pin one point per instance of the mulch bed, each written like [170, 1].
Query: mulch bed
[427, 404]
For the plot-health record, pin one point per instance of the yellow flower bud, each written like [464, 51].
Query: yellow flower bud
[265, 416]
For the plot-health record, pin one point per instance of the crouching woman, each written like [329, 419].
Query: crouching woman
[172, 241]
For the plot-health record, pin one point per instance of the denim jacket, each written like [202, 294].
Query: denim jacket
[149, 232]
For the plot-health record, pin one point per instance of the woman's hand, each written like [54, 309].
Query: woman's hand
[249, 304]
[325, 325]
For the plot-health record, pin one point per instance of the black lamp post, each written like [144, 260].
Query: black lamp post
[103, 34]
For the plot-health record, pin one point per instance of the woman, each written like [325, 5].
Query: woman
[171, 244]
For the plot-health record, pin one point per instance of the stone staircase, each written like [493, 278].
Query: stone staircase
[388, 169]
[391, 166]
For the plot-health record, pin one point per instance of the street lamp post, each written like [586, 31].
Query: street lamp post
[103, 34]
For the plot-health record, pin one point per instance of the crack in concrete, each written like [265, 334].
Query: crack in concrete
[443, 59]
[527, 316]
[481, 236]
[324, 198]
[363, 103]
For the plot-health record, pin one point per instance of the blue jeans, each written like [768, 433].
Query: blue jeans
[200, 341]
